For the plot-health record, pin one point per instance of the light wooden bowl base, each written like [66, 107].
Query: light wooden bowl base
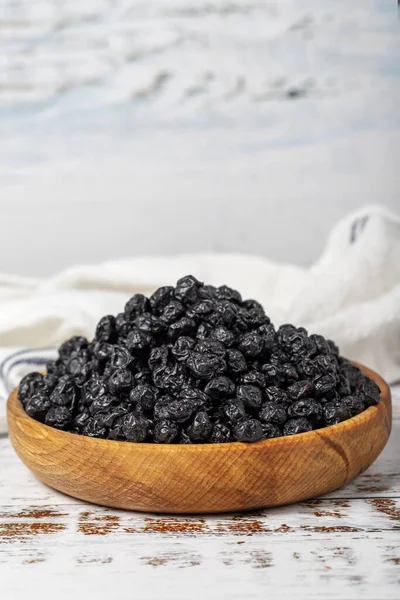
[203, 478]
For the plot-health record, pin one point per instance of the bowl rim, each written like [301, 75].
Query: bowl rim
[366, 415]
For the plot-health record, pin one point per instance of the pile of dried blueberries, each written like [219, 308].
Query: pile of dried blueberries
[192, 364]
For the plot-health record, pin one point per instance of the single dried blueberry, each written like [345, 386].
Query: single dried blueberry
[74, 344]
[272, 413]
[201, 427]
[307, 368]
[210, 346]
[370, 390]
[108, 418]
[77, 361]
[333, 349]
[226, 293]
[220, 387]
[354, 404]
[268, 335]
[182, 347]
[270, 371]
[250, 395]
[224, 314]
[232, 411]
[149, 323]
[138, 341]
[276, 395]
[248, 430]
[158, 357]
[161, 411]
[134, 427]
[306, 407]
[321, 343]
[344, 388]
[351, 373]
[253, 304]
[30, 384]
[287, 373]
[204, 365]
[165, 431]
[254, 378]
[94, 428]
[294, 426]
[324, 385]
[203, 331]
[325, 364]
[49, 382]
[172, 312]
[184, 326]
[106, 330]
[80, 421]
[170, 377]
[161, 297]
[199, 310]
[236, 361]
[144, 395]
[136, 306]
[120, 357]
[300, 389]
[200, 399]
[58, 416]
[65, 393]
[220, 434]
[336, 411]
[37, 406]
[93, 388]
[181, 410]
[102, 404]
[122, 326]
[101, 351]
[252, 318]
[207, 292]
[270, 431]
[187, 289]
[223, 336]
[85, 373]
[120, 379]
[251, 344]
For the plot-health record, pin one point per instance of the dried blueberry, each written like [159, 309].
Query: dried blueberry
[248, 430]
[220, 387]
[144, 396]
[201, 427]
[106, 330]
[272, 413]
[58, 416]
[136, 306]
[294, 426]
[204, 365]
[134, 427]
[165, 432]
[250, 395]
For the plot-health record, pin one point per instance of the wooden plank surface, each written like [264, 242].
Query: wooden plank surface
[345, 545]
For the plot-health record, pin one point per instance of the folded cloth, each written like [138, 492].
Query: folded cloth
[351, 294]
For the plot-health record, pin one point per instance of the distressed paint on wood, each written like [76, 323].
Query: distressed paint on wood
[346, 544]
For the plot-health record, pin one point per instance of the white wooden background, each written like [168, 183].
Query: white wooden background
[142, 127]
[344, 546]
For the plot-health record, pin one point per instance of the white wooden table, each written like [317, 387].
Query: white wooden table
[345, 545]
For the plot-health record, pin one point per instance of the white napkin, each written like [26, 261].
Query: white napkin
[351, 294]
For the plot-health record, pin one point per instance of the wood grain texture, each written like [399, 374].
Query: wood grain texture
[204, 478]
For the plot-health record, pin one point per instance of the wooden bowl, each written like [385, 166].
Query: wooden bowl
[202, 478]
